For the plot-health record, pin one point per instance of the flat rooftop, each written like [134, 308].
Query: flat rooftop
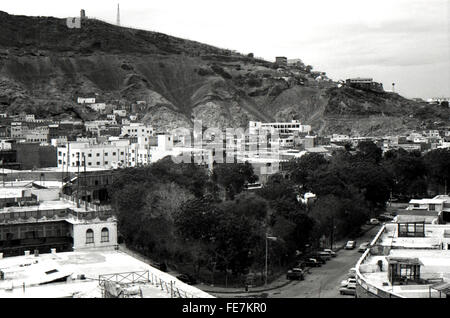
[33, 271]
[48, 205]
[13, 192]
[431, 251]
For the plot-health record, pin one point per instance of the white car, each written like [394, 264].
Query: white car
[374, 221]
[349, 281]
[331, 252]
[363, 247]
[350, 245]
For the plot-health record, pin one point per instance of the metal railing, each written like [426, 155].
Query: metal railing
[144, 277]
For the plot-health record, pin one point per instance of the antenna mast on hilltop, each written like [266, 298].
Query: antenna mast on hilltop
[118, 15]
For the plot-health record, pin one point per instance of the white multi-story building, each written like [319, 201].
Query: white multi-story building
[282, 128]
[98, 106]
[36, 136]
[120, 112]
[137, 130]
[108, 155]
[82, 100]
[148, 151]
[18, 130]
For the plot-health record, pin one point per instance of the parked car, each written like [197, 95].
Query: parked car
[350, 245]
[374, 221]
[348, 290]
[295, 273]
[348, 281]
[363, 247]
[352, 273]
[188, 279]
[312, 262]
[324, 255]
[321, 259]
[331, 252]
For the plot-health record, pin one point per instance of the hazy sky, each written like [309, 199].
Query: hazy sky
[402, 41]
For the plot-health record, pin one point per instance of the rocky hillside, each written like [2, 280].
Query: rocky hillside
[45, 66]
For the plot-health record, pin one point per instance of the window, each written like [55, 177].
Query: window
[98, 163]
[114, 153]
[98, 155]
[89, 236]
[105, 235]
[90, 155]
[106, 153]
[106, 162]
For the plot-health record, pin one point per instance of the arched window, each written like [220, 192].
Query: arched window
[105, 235]
[89, 236]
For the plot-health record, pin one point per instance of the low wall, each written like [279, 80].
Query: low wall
[363, 288]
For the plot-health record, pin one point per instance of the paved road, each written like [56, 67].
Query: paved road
[324, 281]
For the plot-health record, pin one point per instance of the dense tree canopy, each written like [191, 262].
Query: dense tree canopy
[185, 214]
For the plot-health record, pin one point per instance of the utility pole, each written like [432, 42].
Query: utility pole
[267, 253]
[85, 184]
[332, 232]
[118, 15]
[265, 271]
[78, 180]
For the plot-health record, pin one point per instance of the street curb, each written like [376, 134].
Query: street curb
[244, 292]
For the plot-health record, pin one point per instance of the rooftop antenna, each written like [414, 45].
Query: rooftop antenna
[118, 15]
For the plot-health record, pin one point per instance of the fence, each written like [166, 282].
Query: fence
[144, 277]
[89, 205]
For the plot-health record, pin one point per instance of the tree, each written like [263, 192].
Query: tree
[277, 187]
[408, 172]
[368, 150]
[233, 177]
[300, 168]
[438, 168]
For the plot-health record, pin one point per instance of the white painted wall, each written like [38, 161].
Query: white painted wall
[79, 234]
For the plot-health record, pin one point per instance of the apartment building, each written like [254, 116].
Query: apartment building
[28, 224]
[281, 128]
[137, 130]
[109, 155]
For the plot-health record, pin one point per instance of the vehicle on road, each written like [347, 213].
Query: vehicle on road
[295, 273]
[312, 262]
[320, 258]
[348, 290]
[352, 273]
[331, 252]
[363, 247]
[325, 255]
[188, 279]
[374, 221]
[348, 281]
[350, 245]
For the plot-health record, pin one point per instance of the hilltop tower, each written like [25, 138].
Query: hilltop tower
[118, 15]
